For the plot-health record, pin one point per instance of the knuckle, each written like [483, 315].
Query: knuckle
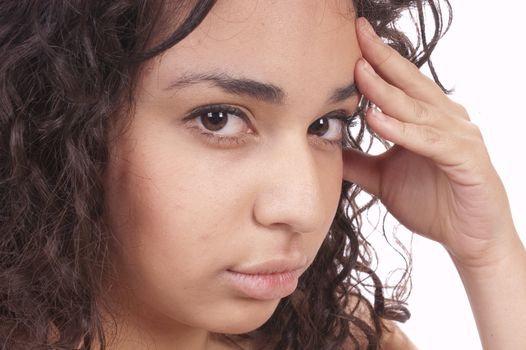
[385, 56]
[475, 129]
[420, 112]
[431, 135]
[468, 130]
[405, 131]
[475, 132]
[424, 134]
[460, 110]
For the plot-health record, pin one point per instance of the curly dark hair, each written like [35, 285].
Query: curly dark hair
[67, 69]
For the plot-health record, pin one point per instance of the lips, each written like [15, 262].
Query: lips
[272, 266]
[268, 280]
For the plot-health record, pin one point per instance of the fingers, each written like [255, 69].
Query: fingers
[425, 140]
[392, 100]
[399, 88]
[394, 68]
[454, 149]
[415, 114]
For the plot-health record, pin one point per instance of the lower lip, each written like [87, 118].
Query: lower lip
[264, 286]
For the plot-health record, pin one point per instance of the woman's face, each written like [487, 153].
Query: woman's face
[187, 206]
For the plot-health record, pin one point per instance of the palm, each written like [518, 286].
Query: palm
[408, 189]
[438, 180]
[425, 199]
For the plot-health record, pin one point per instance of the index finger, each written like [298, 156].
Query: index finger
[394, 68]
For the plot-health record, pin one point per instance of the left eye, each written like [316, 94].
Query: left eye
[323, 127]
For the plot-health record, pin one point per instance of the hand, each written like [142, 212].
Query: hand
[438, 179]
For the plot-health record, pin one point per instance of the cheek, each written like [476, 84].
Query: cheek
[331, 171]
[169, 219]
[165, 212]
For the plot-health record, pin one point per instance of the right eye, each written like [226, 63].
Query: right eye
[219, 123]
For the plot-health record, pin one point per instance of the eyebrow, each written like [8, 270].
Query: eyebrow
[262, 91]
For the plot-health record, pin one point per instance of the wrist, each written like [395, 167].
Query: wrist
[505, 254]
[496, 288]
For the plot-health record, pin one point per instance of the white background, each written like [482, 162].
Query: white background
[483, 57]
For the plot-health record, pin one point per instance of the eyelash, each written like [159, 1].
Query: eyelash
[229, 140]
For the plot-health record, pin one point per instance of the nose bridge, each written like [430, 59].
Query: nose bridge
[290, 194]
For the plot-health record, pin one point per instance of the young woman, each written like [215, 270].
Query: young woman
[182, 175]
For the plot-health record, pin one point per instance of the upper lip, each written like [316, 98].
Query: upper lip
[273, 266]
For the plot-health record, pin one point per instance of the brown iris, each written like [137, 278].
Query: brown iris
[320, 126]
[214, 121]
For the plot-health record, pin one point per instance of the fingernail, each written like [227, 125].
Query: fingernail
[378, 115]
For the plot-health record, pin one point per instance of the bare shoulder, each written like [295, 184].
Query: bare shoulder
[395, 339]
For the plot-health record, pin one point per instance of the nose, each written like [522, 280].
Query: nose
[291, 188]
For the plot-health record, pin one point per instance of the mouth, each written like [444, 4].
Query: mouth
[269, 286]
[269, 280]
[279, 265]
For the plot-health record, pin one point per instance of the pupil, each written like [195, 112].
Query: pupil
[320, 126]
[215, 120]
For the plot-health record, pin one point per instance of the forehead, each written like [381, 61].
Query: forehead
[311, 42]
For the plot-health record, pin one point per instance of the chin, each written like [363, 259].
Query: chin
[245, 317]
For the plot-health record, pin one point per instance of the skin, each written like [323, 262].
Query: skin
[178, 233]
[185, 210]
[441, 162]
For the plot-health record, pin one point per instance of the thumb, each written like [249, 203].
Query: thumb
[362, 169]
